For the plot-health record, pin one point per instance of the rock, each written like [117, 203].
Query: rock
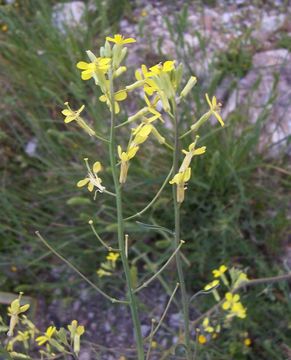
[31, 146]
[269, 25]
[263, 94]
[68, 15]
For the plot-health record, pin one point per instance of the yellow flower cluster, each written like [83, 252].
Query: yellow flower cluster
[184, 174]
[53, 339]
[92, 180]
[108, 266]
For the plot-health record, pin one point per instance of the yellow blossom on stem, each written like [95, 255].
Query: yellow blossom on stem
[14, 310]
[247, 342]
[120, 40]
[180, 179]
[99, 65]
[202, 339]
[220, 273]
[217, 273]
[71, 115]
[212, 287]
[112, 256]
[206, 325]
[214, 108]
[230, 300]
[47, 336]
[125, 156]
[92, 180]
[118, 96]
[167, 66]
[189, 154]
[75, 333]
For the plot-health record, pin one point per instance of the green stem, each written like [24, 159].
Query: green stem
[120, 227]
[177, 237]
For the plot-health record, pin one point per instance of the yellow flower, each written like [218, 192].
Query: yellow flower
[125, 156]
[218, 273]
[214, 108]
[247, 342]
[4, 28]
[71, 115]
[238, 310]
[233, 304]
[120, 40]
[180, 179]
[118, 96]
[141, 133]
[101, 272]
[189, 154]
[211, 285]
[75, 332]
[92, 180]
[99, 65]
[202, 339]
[230, 301]
[206, 325]
[167, 66]
[47, 336]
[112, 257]
[14, 310]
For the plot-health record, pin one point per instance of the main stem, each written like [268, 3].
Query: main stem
[120, 225]
[184, 296]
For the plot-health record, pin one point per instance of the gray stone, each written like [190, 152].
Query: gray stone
[68, 15]
[264, 94]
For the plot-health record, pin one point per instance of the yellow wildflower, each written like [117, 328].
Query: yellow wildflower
[120, 40]
[47, 336]
[202, 339]
[71, 115]
[75, 332]
[167, 66]
[118, 96]
[214, 108]
[141, 133]
[101, 272]
[233, 304]
[99, 65]
[14, 310]
[180, 179]
[247, 342]
[4, 28]
[238, 310]
[112, 256]
[206, 325]
[211, 285]
[230, 300]
[189, 154]
[218, 273]
[125, 156]
[92, 180]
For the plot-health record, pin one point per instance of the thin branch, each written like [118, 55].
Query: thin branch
[150, 339]
[165, 312]
[146, 283]
[109, 248]
[153, 200]
[113, 300]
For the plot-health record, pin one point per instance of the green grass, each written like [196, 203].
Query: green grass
[236, 205]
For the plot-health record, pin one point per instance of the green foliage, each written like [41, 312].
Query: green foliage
[236, 205]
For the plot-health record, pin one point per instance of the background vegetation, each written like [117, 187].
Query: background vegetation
[235, 213]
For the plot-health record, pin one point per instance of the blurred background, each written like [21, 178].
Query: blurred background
[236, 210]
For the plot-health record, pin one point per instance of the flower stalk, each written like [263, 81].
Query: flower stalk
[177, 236]
[120, 227]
